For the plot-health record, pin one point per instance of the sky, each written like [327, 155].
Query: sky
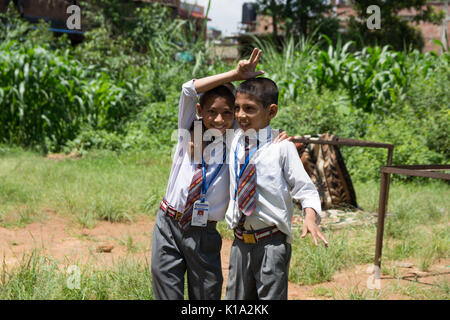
[225, 15]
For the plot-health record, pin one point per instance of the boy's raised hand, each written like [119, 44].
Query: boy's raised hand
[246, 68]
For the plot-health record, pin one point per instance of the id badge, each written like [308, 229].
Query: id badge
[200, 214]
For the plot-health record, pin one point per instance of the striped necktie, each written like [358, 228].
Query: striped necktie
[247, 185]
[193, 195]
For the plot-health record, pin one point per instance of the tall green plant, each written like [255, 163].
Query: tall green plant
[290, 66]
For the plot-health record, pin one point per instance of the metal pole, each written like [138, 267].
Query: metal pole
[389, 163]
[385, 183]
[344, 142]
[384, 189]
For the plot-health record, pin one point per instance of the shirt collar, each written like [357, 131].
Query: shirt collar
[264, 135]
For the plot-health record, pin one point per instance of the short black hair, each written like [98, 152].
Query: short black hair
[226, 91]
[263, 89]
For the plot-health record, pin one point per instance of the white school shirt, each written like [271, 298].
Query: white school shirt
[280, 177]
[183, 168]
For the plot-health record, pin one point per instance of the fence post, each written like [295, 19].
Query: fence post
[384, 193]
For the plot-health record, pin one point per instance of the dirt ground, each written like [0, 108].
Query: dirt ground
[65, 240]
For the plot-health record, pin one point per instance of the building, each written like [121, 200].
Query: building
[254, 23]
[213, 34]
[55, 12]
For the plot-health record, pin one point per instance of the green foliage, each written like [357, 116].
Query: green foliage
[118, 90]
[299, 17]
[151, 24]
[313, 264]
[39, 277]
[374, 77]
[290, 67]
[41, 96]
[45, 96]
[376, 94]
[152, 128]
[103, 185]
[415, 227]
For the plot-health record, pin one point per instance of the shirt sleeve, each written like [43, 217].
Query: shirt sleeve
[187, 105]
[230, 217]
[302, 188]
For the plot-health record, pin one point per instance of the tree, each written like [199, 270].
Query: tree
[296, 17]
[273, 9]
[394, 30]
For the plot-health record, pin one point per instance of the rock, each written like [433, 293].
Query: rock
[62, 156]
[105, 248]
[404, 265]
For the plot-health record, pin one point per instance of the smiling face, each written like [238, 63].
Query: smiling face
[217, 113]
[251, 114]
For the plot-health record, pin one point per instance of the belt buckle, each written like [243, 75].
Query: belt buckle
[178, 215]
[249, 238]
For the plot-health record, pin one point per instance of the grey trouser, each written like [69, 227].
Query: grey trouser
[174, 252]
[259, 271]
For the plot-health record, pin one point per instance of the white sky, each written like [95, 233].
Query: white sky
[225, 15]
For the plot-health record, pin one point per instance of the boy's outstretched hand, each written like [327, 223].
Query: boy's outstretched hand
[246, 68]
[309, 225]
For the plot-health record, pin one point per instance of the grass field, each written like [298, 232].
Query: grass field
[104, 186]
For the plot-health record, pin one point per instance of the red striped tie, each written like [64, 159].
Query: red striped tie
[193, 195]
[247, 185]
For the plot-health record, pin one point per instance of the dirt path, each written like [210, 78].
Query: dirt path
[66, 241]
[61, 238]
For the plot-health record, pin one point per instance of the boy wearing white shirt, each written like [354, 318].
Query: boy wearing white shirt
[264, 178]
[185, 239]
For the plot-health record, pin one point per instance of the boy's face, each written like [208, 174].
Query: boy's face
[251, 114]
[217, 113]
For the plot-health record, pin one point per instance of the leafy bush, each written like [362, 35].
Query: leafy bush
[41, 96]
[45, 97]
[152, 129]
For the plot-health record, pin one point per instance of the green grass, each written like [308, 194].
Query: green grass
[226, 233]
[41, 277]
[357, 293]
[416, 227]
[117, 187]
[438, 290]
[101, 186]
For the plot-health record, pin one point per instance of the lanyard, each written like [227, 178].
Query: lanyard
[205, 186]
[247, 160]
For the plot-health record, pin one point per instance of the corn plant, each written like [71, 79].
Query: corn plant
[374, 78]
[289, 68]
[45, 97]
